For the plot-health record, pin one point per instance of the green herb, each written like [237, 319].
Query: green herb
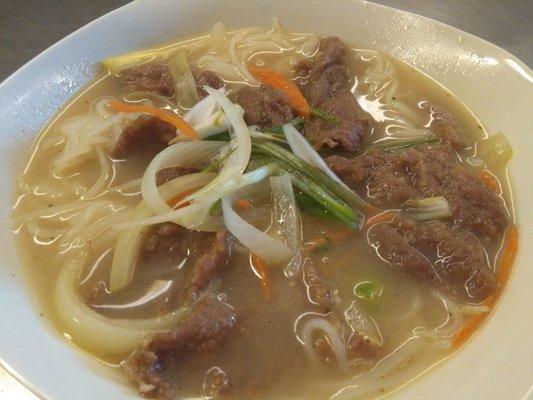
[215, 207]
[339, 200]
[368, 290]
[219, 137]
[311, 206]
[217, 162]
[317, 112]
[394, 144]
[327, 242]
[296, 122]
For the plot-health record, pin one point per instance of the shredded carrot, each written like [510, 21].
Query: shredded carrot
[319, 242]
[279, 81]
[468, 329]
[490, 181]
[508, 255]
[382, 217]
[509, 251]
[326, 238]
[260, 268]
[242, 204]
[371, 208]
[166, 116]
[180, 196]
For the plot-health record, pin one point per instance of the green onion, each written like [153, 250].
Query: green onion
[296, 122]
[215, 207]
[217, 162]
[184, 83]
[273, 151]
[368, 290]
[327, 242]
[427, 209]
[317, 112]
[394, 144]
[219, 137]
[328, 193]
[312, 207]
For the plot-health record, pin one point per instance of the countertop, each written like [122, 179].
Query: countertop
[28, 27]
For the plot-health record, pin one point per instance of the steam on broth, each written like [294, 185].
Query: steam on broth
[181, 225]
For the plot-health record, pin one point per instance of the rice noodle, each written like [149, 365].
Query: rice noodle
[100, 106]
[333, 337]
[105, 172]
[381, 84]
[80, 222]
[48, 212]
[381, 376]
[124, 188]
[83, 133]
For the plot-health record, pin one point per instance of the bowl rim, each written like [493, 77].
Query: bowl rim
[6, 83]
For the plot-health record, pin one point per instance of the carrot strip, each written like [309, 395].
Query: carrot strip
[180, 124]
[490, 181]
[242, 204]
[180, 196]
[382, 217]
[259, 265]
[508, 256]
[279, 81]
[371, 208]
[467, 330]
[317, 243]
[326, 238]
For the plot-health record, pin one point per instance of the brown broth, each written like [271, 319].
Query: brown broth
[263, 356]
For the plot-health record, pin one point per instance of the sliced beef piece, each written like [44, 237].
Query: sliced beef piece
[445, 126]
[264, 106]
[205, 77]
[319, 292]
[327, 86]
[146, 129]
[207, 266]
[167, 174]
[171, 240]
[165, 238]
[152, 77]
[203, 330]
[325, 73]
[390, 178]
[434, 252]
[348, 133]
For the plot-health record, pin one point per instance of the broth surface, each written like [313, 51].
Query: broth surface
[264, 357]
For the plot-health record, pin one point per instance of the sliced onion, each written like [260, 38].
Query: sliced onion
[286, 222]
[184, 83]
[183, 154]
[427, 209]
[196, 215]
[95, 331]
[206, 117]
[130, 240]
[272, 251]
[363, 326]
[241, 143]
[303, 149]
[227, 181]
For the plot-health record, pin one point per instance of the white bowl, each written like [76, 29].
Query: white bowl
[496, 364]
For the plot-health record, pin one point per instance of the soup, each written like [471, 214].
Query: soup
[264, 214]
